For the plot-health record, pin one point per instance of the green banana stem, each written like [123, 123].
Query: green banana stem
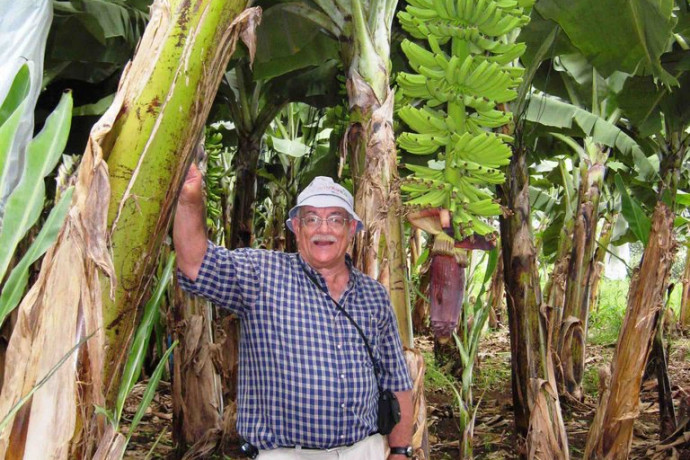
[164, 111]
[366, 60]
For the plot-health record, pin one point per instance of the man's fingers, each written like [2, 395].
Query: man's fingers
[193, 174]
[191, 189]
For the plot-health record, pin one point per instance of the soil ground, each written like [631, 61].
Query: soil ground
[494, 436]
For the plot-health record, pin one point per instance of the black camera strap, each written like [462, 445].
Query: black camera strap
[377, 369]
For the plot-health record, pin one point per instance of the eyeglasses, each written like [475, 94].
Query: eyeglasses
[334, 222]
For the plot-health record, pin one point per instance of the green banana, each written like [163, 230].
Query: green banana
[458, 87]
[418, 55]
[434, 198]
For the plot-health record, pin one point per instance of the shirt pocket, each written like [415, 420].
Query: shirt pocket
[367, 323]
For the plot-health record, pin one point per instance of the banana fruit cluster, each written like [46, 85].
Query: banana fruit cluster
[213, 183]
[463, 61]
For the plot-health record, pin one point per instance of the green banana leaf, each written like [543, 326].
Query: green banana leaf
[97, 108]
[11, 112]
[645, 104]
[289, 41]
[550, 111]
[19, 277]
[21, 86]
[106, 31]
[140, 345]
[291, 147]
[640, 224]
[621, 35]
[683, 198]
[24, 205]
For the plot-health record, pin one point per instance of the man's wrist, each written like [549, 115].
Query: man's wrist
[401, 451]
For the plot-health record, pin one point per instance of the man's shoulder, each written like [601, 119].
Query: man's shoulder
[369, 283]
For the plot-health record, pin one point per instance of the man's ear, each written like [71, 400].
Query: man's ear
[353, 227]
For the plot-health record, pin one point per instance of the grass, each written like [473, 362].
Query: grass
[590, 381]
[607, 316]
[435, 378]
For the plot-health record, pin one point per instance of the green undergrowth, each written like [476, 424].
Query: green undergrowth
[435, 379]
[607, 315]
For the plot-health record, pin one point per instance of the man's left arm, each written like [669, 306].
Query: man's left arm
[401, 436]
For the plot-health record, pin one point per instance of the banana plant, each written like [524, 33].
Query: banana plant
[126, 188]
[22, 49]
[665, 119]
[467, 344]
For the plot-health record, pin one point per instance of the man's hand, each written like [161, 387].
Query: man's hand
[189, 231]
[191, 193]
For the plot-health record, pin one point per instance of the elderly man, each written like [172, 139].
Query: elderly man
[307, 385]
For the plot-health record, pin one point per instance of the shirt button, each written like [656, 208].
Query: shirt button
[342, 405]
[342, 435]
[339, 347]
[342, 376]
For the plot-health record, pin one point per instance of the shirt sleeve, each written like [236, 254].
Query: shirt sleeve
[227, 278]
[394, 373]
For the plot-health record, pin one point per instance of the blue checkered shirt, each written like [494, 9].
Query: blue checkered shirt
[305, 377]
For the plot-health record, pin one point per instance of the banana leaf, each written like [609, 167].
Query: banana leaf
[17, 93]
[10, 116]
[19, 277]
[107, 33]
[550, 111]
[288, 40]
[640, 224]
[621, 35]
[24, 205]
[25, 27]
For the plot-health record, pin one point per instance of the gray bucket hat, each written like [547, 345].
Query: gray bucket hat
[324, 193]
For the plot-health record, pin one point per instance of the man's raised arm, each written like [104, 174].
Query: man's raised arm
[189, 231]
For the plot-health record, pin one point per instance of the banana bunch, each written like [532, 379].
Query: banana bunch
[462, 69]
[213, 183]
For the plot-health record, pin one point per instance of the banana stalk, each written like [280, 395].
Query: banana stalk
[126, 187]
[165, 106]
[684, 317]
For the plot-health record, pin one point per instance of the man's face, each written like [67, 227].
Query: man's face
[323, 244]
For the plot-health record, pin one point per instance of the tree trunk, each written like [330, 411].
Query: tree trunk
[146, 137]
[684, 318]
[659, 364]
[196, 387]
[538, 419]
[370, 144]
[610, 436]
[581, 267]
[556, 285]
[600, 258]
[242, 218]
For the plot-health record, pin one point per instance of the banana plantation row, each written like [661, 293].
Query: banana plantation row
[543, 134]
